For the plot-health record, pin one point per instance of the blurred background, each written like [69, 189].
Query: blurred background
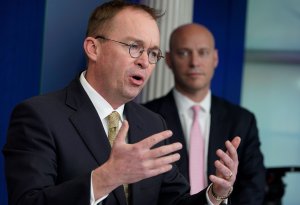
[258, 43]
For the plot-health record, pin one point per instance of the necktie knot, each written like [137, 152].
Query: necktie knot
[113, 125]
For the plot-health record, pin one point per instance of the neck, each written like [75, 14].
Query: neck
[196, 96]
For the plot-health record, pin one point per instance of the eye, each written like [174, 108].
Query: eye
[135, 47]
[153, 53]
[204, 52]
[183, 53]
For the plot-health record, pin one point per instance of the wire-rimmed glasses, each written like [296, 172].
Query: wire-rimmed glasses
[136, 50]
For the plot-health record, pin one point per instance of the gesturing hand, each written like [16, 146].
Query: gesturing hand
[226, 168]
[129, 163]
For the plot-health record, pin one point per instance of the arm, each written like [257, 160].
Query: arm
[251, 179]
[31, 163]
[39, 169]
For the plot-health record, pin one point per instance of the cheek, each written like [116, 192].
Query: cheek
[211, 71]
[149, 71]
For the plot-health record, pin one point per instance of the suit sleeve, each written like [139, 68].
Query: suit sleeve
[31, 164]
[251, 175]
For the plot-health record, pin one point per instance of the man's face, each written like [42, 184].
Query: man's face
[192, 59]
[119, 77]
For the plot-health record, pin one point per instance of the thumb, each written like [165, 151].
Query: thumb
[121, 136]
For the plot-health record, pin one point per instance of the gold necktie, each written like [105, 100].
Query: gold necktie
[113, 125]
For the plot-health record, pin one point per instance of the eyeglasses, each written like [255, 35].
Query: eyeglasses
[136, 50]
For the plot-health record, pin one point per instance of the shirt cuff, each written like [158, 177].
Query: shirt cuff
[207, 197]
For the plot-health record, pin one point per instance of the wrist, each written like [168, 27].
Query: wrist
[217, 197]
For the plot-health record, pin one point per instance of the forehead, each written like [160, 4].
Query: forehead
[193, 36]
[136, 25]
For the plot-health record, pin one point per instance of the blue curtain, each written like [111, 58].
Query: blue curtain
[226, 19]
[21, 49]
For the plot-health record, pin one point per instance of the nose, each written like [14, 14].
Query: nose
[194, 59]
[143, 60]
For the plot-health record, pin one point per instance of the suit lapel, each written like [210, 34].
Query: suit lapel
[217, 134]
[88, 125]
[169, 112]
[87, 122]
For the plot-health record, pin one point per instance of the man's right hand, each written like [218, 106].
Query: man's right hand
[129, 163]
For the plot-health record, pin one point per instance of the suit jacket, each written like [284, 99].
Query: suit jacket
[227, 121]
[56, 140]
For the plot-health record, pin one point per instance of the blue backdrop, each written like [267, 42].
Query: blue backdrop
[41, 49]
[226, 20]
[20, 60]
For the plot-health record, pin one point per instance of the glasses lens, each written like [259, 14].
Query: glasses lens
[154, 55]
[136, 50]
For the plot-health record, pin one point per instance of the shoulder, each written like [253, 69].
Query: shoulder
[141, 110]
[157, 103]
[232, 109]
[144, 119]
[40, 101]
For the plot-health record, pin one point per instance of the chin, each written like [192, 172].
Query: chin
[130, 95]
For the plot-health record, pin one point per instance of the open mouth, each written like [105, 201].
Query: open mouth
[137, 77]
[137, 80]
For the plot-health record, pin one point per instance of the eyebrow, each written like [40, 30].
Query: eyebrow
[140, 41]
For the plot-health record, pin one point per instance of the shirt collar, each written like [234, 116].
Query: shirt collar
[184, 103]
[102, 106]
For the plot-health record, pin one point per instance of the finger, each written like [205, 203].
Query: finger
[162, 161]
[121, 136]
[218, 181]
[224, 157]
[154, 139]
[236, 142]
[164, 150]
[224, 170]
[231, 150]
[160, 170]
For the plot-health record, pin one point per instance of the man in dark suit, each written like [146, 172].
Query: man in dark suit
[58, 149]
[193, 59]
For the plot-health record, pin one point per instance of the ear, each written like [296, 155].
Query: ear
[168, 59]
[90, 48]
[216, 58]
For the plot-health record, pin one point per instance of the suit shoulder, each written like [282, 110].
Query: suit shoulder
[144, 110]
[230, 107]
[156, 103]
[47, 98]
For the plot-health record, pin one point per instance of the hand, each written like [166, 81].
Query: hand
[226, 168]
[129, 163]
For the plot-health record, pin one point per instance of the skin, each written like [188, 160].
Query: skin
[193, 60]
[111, 69]
[112, 73]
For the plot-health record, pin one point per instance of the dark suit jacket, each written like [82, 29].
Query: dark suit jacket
[56, 140]
[227, 121]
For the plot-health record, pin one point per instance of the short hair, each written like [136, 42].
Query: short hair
[105, 12]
